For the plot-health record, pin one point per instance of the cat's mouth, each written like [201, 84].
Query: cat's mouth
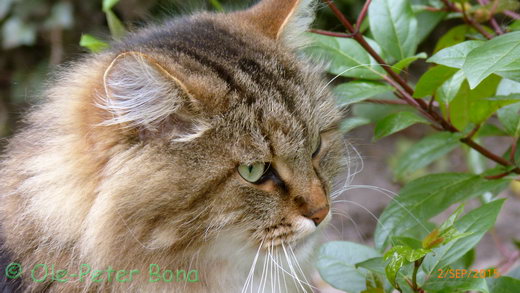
[288, 233]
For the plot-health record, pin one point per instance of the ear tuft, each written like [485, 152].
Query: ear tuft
[142, 94]
[284, 20]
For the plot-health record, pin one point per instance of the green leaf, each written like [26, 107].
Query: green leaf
[351, 123]
[337, 265]
[396, 122]
[426, 22]
[509, 116]
[357, 91]
[216, 4]
[93, 44]
[399, 256]
[507, 87]
[432, 79]
[376, 265]
[426, 197]
[394, 26]
[438, 284]
[344, 56]
[109, 4]
[407, 61]
[117, 29]
[426, 151]
[511, 71]
[505, 285]
[471, 105]
[515, 26]
[449, 89]
[476, 223]
[491, 57]
[454, 56]
[454, 36]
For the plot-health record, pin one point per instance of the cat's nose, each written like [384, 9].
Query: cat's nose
[314, 204]
[317, 216]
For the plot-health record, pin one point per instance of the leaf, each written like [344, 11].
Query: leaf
[407, 61]
[394, 26]
[505, 285]
[449, 89]
[399, 256]
[354, 122]
[117, 29]
[454, 56]
[337, 265]
[491, 57]
[426, 22]
[449, 285]
[109, 4]
[375, 265]
[426, 151]
[216, 4]
[426, 197]
[477, 222]
[396, 122]
[509, 116]
[432, 79]
[344, 56]
[471, 105]
[511, 71]
[93, 44]
[454, 36]
[357, 91]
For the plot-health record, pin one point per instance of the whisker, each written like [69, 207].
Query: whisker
[384, 192]
[356, 226]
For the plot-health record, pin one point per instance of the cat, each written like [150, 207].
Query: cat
[193, 156]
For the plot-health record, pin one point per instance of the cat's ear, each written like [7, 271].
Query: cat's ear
[142, 94]
[283, 20]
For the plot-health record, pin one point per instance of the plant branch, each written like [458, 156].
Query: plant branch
[331, 34]
[472, 22]
[512, 14]
[405, 92]
[362, 15]
[417, 265]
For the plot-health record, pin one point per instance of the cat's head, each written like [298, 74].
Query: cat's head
[225, 129]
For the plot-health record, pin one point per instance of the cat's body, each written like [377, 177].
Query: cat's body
[132, 161]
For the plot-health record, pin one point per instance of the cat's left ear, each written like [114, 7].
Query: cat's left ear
[283, 20]
[143, 95]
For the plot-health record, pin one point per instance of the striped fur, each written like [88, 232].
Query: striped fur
[132, 158]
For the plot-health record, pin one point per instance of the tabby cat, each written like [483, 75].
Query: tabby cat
[193, 156]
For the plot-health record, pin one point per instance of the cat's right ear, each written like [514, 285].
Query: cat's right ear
[140, 93]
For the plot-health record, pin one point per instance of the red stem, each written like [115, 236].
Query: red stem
[331, 34]
[362, 14]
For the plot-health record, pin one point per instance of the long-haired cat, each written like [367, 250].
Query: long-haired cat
[202, 150]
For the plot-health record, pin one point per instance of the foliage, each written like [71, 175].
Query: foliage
[471, 90]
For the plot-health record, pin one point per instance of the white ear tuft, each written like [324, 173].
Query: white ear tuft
[140, 93]
[299, 22]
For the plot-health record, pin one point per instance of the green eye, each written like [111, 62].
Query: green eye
[252, 173]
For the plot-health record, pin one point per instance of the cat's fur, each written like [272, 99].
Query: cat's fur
[132, 158]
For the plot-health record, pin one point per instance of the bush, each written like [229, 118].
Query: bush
[471, 90]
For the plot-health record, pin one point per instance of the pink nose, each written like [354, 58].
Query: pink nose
[318, 215]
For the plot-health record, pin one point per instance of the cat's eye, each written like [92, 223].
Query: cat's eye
[317, 148]
[252, 173]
